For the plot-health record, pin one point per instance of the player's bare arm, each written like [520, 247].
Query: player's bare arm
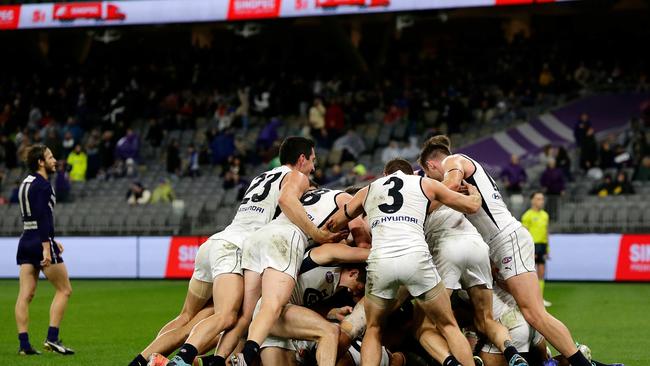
[466, 204]
[294, 186]
[456, 169]
[327, 254]
[351, 210]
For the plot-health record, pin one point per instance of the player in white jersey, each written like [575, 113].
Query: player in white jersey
[397, 205]
[272, 256]
[462, 259]
[321, 276]
[511, 246]
[218, 262]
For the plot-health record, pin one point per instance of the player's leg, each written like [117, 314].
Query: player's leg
[57, 274]
[226, 309]
[431, 340]
[28, 280]
[436, 305]
[297, 322]
[499, 335]
[198, 294]
[376, 309]
[525, 289]
[167, 342]
[276, 291]
[272, 356]
[252, 292]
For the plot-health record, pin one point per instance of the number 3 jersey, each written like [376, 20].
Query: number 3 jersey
[397, 208]
[257, 208]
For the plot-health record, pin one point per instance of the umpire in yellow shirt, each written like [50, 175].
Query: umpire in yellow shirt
[536, 221]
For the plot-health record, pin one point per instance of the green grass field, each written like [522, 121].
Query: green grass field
[108, 322]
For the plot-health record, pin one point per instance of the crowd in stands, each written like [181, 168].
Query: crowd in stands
[87, 115]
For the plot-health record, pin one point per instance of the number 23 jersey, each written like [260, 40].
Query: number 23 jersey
[257, 208]
[397, 208]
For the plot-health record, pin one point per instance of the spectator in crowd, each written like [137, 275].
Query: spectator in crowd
[192, 162]
[335, 118]
[552, 179]
[317, 121]
[222, 146]
[336, 174]
[622, 185]
[128, 147]
[53, 141]
[163, 192]
[546, 78]
[603, 188]
[107, 151]
[138, 194]
[606, 155]
[514, 176]
[173, 158]
[78, 162]
[564, 162]
[23, 149]
[68, 143]
[62, 182]
[642, 173]
[155, 133]
[391, 152]
[548, 153]
[94, 159]
[580, 128]
[351, 144]
[589, 150]
[269, 134]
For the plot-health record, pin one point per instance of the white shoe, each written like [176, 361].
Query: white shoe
[548, 303]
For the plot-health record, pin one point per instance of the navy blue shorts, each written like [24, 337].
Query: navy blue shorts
[32, 253]
[541, 250]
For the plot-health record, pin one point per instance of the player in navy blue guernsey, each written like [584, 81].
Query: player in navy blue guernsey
[38, 251]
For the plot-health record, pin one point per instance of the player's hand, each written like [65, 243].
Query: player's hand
[339, 313]
[471, 189]
[324, 235]
[47, 258]
[60, 247]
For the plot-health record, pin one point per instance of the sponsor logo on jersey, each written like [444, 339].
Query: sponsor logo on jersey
[394, 219]
[506, 260]
[329, 277]
[496, 196]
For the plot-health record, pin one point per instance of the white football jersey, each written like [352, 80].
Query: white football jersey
[444, 222]
[257, 208]
[397, 207]
[493, 216]
[315, 283]
[320, 205]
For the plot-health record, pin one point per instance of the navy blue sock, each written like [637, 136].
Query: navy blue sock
[451, 361]
[251, 351]
[24, 341]
[578, 359]
[188, 352]
[510, 352]
[139, 360]
[53, 334]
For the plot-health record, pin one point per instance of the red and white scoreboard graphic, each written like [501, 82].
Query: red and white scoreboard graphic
[123, 12]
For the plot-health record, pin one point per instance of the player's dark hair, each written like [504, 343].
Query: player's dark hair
[292, 147]
[439, 144]
[398, 164]
[35, 153]
[352, 190]
[532, 195]
[361, 267]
